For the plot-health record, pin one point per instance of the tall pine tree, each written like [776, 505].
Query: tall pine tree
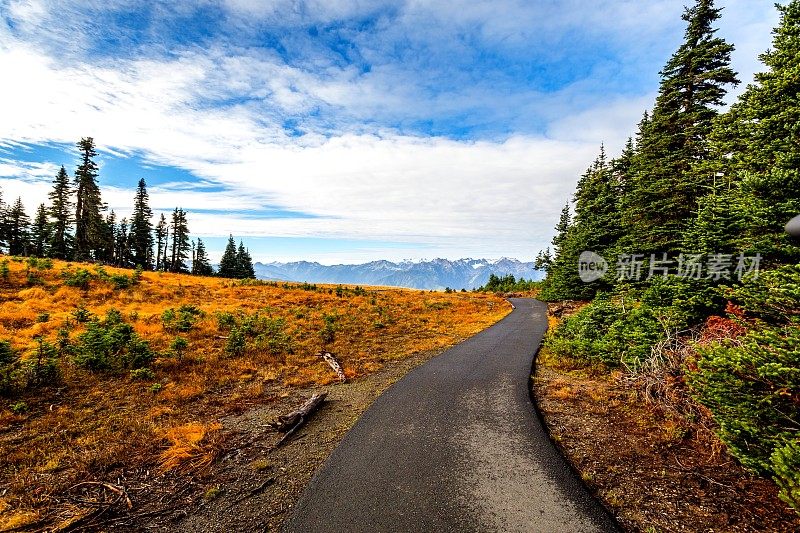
[142, 229]
[759, 145]
[40, 233]
[664, 190]
[180, 241]
[89, 224]
[61, 213]
[201, 266]
[161, 242]
[18, 228]
[228, 265]
[244, 263]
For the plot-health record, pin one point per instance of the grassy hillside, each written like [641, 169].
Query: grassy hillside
[108, 368]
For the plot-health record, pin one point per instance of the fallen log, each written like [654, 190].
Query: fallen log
[291, 422]
[334, 364]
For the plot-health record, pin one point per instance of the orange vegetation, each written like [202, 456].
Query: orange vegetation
[90, 424]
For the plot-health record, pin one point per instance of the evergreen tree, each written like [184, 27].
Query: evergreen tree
[228, 264]
[663, 189]
[161, 231]
[18, 226]
[201, 266]
[180, 241]
[3, 222]
[597, 206]
[40, 232]
[244, 263]
[562, 227]
[596, 227]
[142, 229]
[543, 260]
[61, 206]
[110, 242]
[89, 224]
[122, 244]
[758, 144]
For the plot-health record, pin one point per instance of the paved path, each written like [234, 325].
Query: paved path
[456, 445]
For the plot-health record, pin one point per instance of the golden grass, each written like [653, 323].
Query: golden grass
[93, 422]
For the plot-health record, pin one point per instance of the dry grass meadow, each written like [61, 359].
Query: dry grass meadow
[239, 344]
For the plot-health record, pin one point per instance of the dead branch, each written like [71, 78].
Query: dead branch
[291, 422]
[334, 364]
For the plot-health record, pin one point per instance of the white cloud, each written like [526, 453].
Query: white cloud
[218, 112]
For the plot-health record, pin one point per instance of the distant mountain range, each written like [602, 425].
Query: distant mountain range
[436, 274]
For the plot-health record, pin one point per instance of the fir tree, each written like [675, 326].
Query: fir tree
[61, 211]
[664, 190]
[3, 222]
[543, 260]
[228, 265]
[110, 242]
[122, 244]
[89, 226]
[758, 142]
[244, 263]
[40, 232]
[201, 266]
[161, 231]
[563, 225]
[142, 229]
[18, 226]
[180, 241]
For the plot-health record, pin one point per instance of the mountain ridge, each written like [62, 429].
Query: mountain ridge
[434, 274]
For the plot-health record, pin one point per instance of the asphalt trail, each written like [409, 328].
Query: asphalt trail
[456, 445]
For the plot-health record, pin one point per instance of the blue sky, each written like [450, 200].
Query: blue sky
[340, 131]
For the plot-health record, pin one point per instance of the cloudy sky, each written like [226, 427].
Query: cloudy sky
[341, 131]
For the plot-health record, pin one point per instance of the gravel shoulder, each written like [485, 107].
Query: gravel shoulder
[254, 486]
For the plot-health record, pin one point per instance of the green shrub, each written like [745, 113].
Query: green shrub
[138, 272]
[43, 318]
[225, 320]
[786, 467]
[19, 408]
[329, 328]
[120, 281]
[142, 374]
[630, 339]
[236, 344]
[111, 344]
[683, 302]
[178, 347]
[8, 363]
[182, 320]
[79, 278]
[752, 384]
[582, 336]
[272, 336]
[42, 369]
[4, 271]
[81, 314]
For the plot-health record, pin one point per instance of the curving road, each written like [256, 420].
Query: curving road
[456, 445]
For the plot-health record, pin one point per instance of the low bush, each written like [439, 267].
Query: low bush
[752, 384]
[181, 320]
[8, 362]
[79, 278]
[42, 369]
[111, 344]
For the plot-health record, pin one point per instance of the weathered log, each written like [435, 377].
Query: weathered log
[334, 364]
[291, 422]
